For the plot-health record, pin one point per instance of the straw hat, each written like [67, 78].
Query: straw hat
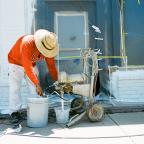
[46, 43]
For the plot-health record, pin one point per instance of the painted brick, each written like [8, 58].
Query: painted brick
[4, 96]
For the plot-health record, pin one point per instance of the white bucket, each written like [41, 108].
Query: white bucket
[62, 116]
[37, 112]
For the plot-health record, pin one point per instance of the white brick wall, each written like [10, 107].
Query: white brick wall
[128, 86]
[16, 19]
[4, 96]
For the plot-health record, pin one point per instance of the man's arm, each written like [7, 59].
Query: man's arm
[52, 68]
[28, 67]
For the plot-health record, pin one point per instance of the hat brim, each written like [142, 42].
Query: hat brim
[38, 41]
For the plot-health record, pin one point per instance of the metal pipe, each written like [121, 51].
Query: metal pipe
[75, 119]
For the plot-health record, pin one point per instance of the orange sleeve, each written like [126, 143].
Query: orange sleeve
[27, 64]
[52, 68]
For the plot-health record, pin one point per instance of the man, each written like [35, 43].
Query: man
[22, 58]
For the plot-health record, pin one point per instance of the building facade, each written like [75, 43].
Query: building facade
[72, 21]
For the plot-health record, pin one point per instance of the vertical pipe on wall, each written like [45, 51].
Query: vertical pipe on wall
[123, 51]
[56, 31]
[29, 16]
[26, 16]
[34, 18]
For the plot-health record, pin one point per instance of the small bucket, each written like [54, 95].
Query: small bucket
[62, 116]
[37, 112]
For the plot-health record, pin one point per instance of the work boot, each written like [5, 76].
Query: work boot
[15, 117]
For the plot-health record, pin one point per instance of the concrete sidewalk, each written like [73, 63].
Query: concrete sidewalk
[119, 128]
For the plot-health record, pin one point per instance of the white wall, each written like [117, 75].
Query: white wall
[15, 20]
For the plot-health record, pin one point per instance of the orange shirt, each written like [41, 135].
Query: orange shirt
[25, 53]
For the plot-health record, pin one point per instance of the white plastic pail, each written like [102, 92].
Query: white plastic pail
[62, 116]
[37, 112]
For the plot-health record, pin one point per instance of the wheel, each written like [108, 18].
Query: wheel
[95, 113]
[77, 105]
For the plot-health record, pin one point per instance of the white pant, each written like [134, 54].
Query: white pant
[16, 75]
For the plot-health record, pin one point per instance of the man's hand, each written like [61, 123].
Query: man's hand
[39, 90]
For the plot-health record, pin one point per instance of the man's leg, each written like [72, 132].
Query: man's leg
[16, 74]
